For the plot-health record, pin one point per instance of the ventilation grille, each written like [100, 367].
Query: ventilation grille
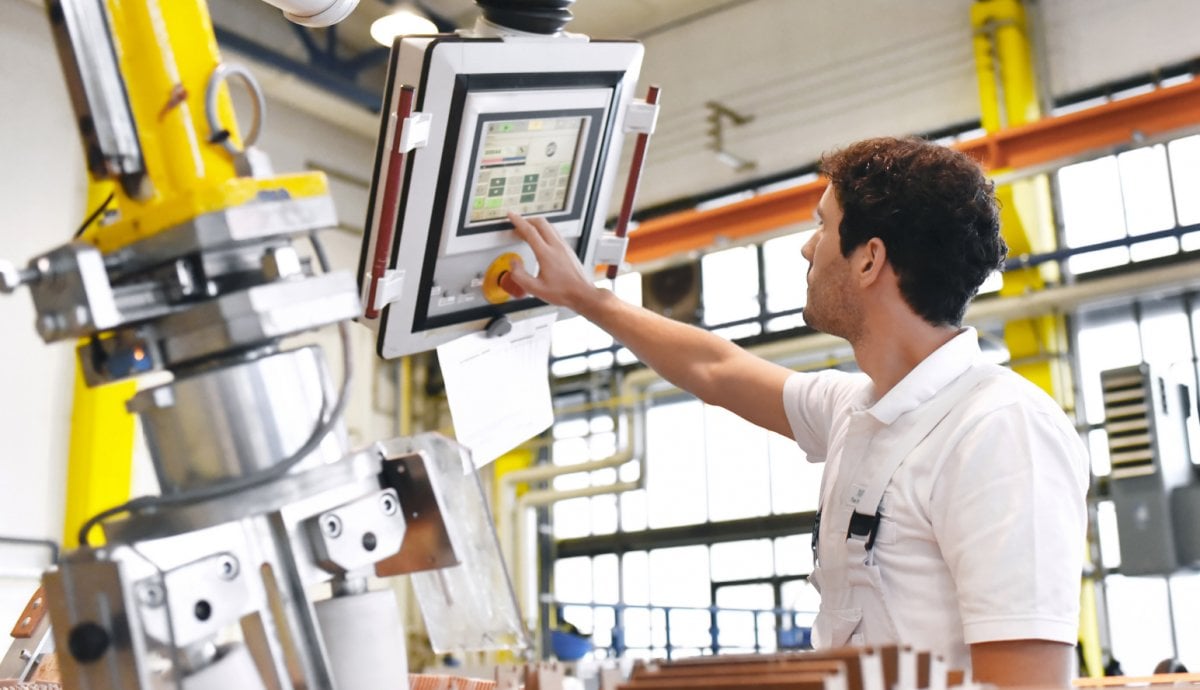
[1127, 410]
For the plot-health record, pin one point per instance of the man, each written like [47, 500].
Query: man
[952, 503]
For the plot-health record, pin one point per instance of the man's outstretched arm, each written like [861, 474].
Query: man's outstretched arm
[706, 365]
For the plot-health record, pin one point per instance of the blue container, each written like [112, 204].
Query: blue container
[568, 647]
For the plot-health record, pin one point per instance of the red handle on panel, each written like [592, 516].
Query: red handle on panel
[391, 194]
[635, 178]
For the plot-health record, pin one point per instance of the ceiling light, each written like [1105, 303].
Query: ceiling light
[402, 22]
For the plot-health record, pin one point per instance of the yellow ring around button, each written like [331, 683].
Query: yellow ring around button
[504, 263]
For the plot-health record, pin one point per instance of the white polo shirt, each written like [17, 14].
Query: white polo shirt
[983, 531]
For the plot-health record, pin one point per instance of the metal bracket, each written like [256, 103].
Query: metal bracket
[641, 117]
[610, 249]
[32, 639]
[356, 534]
[391, 285]
[427, 544]
[415, 133]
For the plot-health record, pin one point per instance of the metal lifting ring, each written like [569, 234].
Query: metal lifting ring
[221, 74]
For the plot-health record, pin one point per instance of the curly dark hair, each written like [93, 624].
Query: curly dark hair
[933, 208]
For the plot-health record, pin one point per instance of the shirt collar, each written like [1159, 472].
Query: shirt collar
[942, 366]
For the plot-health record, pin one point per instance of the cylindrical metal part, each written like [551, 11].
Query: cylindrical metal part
[233, 669]
[237, 420]
[530, 16]
[315, 13]
[365, 640]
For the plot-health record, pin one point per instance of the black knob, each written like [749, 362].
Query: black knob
[369, 541]
[531, 16]
[88, 642]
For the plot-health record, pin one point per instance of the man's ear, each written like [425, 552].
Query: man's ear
[870, 261]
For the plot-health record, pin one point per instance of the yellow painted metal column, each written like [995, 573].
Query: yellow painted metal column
[100, 454]
[1038, 347]
[166, 53]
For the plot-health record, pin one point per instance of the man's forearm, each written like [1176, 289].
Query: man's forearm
[687, 356]
[1030, 663]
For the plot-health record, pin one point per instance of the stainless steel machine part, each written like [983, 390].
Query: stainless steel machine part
[264, 411]
[365, 637]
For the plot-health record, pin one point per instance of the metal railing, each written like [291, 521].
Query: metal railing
[6, 567]
[773, 629]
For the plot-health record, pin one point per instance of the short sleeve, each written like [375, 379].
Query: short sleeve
[1009, 514]
[813, 401]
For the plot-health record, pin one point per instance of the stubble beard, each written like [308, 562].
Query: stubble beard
[830, 310]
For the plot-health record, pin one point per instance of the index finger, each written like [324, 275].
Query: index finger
[547, 231]
[524, 229]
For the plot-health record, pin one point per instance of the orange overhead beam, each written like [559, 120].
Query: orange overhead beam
[688, 230]
[1129, 120]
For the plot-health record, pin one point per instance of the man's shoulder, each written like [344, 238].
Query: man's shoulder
[1003, 387]
[830, 384]
[1009, 400]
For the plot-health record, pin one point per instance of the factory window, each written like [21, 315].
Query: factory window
[1119, 199]
[706, 467]
[1141, 610]
[730, 291]
[1185, 177]
[732, 597]
[578, 346]
[1135, 204]
[784, 270]
[577, 441]
[744, 291]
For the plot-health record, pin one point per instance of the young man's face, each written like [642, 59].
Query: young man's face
[832, 307]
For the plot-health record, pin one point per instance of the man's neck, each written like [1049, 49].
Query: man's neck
[890, 348]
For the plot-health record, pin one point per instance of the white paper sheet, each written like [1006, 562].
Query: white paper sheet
[499, 387]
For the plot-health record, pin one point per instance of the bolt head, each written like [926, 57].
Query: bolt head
[229, 567]
[151, 595]
[331, 525]
[388, 504]
[50, 325]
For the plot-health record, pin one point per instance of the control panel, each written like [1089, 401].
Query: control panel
[476, 128]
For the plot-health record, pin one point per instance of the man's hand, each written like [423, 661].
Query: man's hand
[561, 279]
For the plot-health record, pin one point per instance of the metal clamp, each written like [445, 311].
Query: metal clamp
[641, 117]
[357, 534]
[415, 132]
[389, 289]
[610, 249]
[412, 130]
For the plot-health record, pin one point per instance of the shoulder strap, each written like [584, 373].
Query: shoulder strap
[865, 525]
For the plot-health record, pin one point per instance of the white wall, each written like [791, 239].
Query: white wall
[42, 194]
[1091, 42]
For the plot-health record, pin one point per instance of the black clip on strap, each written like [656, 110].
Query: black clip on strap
[864, 526]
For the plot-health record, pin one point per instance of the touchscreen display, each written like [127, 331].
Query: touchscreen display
[524, 166]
